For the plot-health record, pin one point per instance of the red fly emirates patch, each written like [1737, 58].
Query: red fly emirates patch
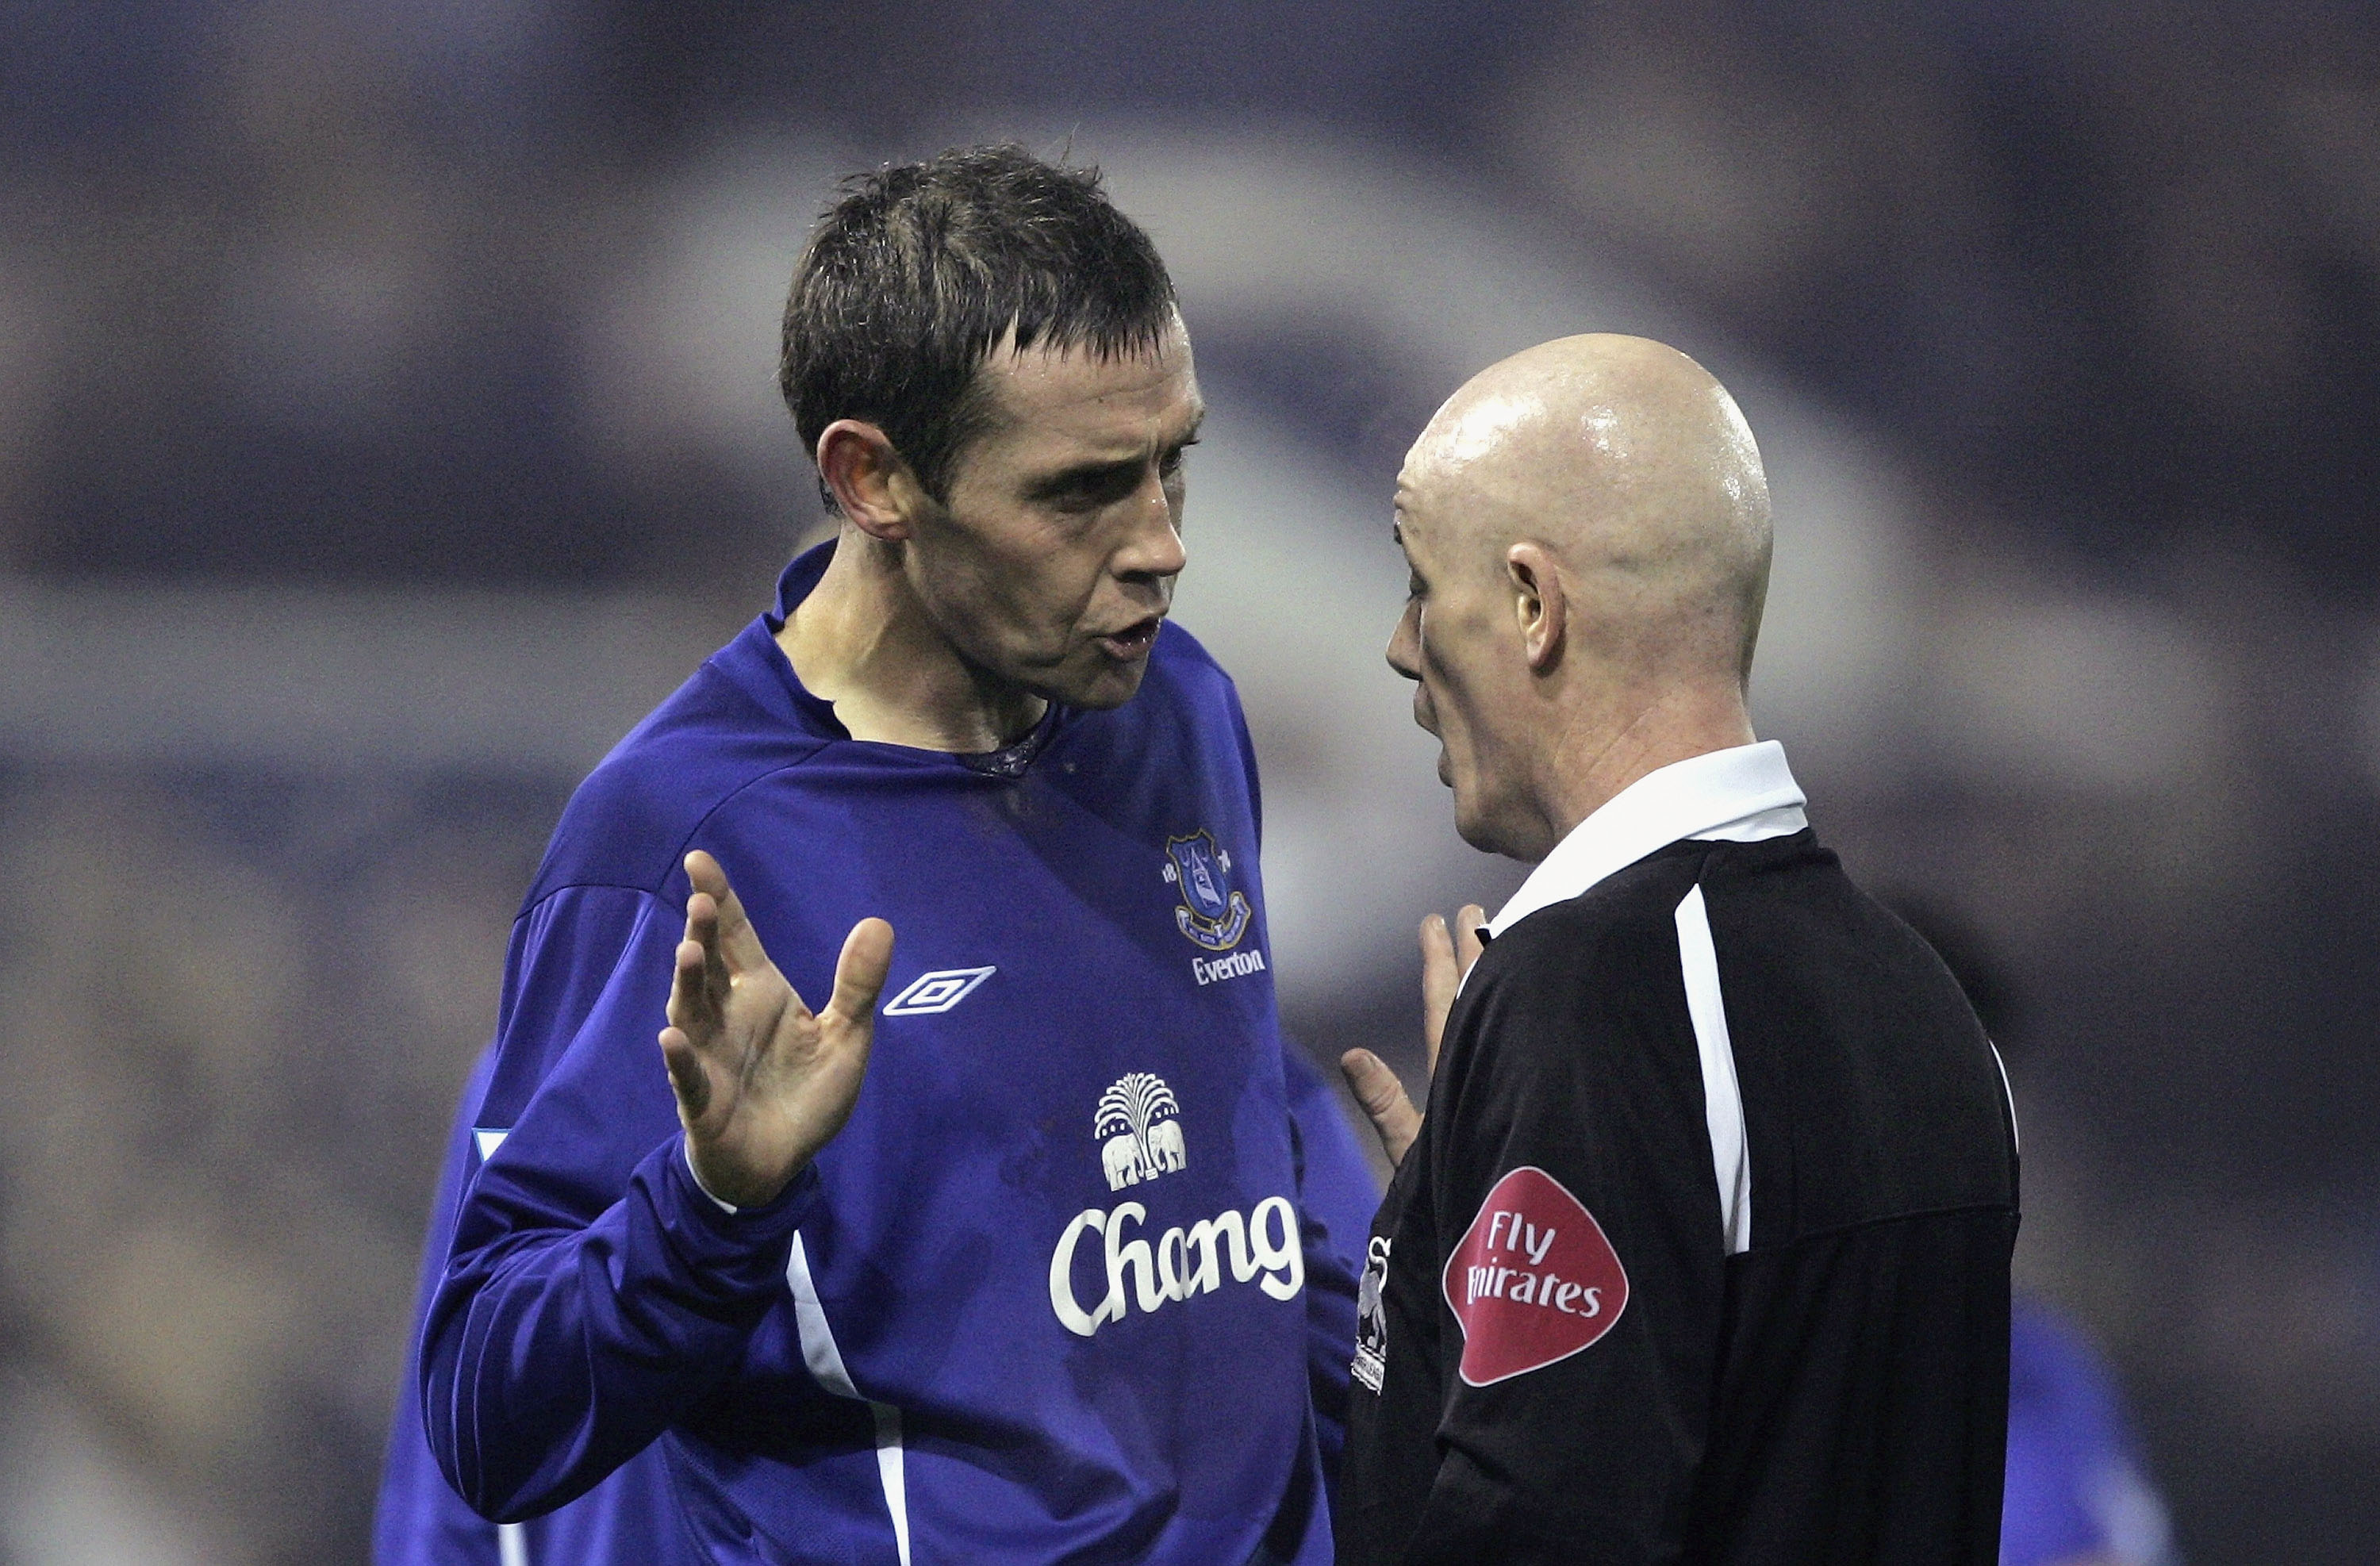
[1533, 1279]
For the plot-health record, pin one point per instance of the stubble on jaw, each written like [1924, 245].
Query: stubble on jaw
[1066, 438]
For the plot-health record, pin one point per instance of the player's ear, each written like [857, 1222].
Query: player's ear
[871, 485]
[1539, 606]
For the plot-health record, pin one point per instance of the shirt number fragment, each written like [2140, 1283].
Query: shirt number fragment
[1533, 1279]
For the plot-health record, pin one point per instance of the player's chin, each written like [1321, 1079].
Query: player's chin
[1102, 680]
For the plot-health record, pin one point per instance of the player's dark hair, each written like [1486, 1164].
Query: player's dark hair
[919, 270]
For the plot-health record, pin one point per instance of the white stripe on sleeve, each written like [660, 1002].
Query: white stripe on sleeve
[2016, 1137]
[1722, 1101]
[825, 1361]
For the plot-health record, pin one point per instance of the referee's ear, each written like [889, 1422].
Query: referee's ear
[1539, 605]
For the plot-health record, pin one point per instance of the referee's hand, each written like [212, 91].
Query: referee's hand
[1445, 958]
[762, 1083]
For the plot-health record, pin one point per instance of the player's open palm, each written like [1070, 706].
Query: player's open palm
[762, 1082]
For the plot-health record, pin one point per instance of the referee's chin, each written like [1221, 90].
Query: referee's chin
[1471, 824]
[1478, 836]
[1492, 825]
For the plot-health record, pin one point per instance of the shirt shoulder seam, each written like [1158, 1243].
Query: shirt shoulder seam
[677, 856]
[1838, 1230]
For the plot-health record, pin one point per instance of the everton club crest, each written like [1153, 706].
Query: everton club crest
[1211, 913]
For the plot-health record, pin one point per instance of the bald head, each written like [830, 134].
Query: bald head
[1587, 525]
[1632, 465]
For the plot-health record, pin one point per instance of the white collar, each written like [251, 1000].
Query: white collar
[1740, 795]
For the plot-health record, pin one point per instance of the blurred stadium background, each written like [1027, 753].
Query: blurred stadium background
[386, 419]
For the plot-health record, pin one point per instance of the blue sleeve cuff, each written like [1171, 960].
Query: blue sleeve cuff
[724, 1205]
[726, 1241]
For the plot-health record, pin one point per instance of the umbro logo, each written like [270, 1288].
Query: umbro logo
[936, 991]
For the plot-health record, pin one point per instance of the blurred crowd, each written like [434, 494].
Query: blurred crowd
[348, 351]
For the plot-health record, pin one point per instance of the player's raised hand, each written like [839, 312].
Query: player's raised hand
[1446, 956]
[762, 1083]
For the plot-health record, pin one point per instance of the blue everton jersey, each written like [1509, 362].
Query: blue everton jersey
[2076, 1488]
[631, 1517]
[1053, 1293]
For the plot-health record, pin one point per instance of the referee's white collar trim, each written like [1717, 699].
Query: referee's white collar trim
[1744, 794]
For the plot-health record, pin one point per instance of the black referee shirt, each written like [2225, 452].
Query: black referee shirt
[1702, 1254]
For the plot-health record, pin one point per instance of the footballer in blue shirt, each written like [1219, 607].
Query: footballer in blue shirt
[1009, 1250]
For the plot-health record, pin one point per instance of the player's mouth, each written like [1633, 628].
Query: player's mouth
[1425, 710]
[1133, 641]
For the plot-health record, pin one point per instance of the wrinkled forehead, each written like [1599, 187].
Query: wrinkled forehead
[1078, 391]
[1166, 351]
[1466, 456]
[1469, 430]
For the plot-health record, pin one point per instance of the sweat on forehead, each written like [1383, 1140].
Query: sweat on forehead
[1502, 460]
[1470, 428]
[1581, 393]
[1622, 457]
[1587, 412]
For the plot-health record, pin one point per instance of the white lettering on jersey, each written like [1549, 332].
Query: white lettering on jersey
[1533, 1280]
[1238, 965]
[1263, 1249]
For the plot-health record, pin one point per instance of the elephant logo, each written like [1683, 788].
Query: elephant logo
[1211, 913]
[1140, 1131]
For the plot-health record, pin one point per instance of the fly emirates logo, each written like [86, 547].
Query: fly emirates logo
[1533, 1281]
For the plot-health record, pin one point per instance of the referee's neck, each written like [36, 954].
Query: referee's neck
[1586, 767]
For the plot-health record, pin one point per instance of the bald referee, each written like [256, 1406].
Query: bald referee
[1700, 1253]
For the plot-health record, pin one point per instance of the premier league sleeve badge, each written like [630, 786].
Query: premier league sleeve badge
[1372, 1317]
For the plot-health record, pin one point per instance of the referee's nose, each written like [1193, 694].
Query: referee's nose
[1404, 642]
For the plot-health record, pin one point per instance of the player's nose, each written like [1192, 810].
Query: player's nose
[1154, 550]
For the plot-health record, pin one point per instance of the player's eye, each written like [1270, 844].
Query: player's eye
[1097, 490]
[1170, 463]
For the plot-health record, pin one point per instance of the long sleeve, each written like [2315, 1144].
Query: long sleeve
[1577, 1266]
[592, 1290]
[419, 1520]
[1336, 1198]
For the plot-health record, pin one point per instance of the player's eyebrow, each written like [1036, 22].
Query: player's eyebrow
[1086, 477]
[1093, 477]
[1189, 436]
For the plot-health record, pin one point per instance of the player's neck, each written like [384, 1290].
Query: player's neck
[862, 641]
